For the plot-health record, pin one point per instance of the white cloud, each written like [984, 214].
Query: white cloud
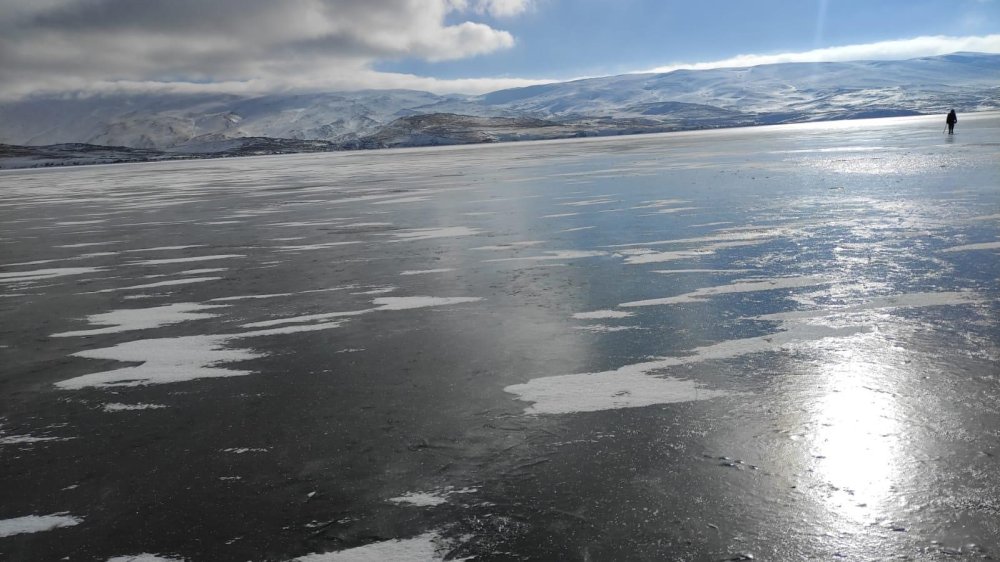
[883, 50]
[503, 8]
[55, 45]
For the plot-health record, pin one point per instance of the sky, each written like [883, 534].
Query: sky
[444, 46]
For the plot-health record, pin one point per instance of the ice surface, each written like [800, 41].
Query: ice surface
[37, 523]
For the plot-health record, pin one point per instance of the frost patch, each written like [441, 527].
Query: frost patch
[37, 523]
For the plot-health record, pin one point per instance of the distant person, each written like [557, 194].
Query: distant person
[951, 120]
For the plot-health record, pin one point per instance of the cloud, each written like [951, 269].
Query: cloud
[54, 45]
[883, 50]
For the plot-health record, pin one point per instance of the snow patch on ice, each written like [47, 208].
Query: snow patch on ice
[165, 248]
[409, 303]
[702, 294]
[37, 523]
[426, 547]
[510, 246]
[166, 261]
[554, 255]
[118, 407]
[44, 274]
[203, 271]
[28, 439]
[974, 247]
[426, 271]
[431, 498]
[162, 361]
[431, 233]
[320, 246]
[145, 557]
[187, 281]
[143, 318]
[631, 386]
[602, 314]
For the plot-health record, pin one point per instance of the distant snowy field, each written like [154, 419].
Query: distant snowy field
[291, 356]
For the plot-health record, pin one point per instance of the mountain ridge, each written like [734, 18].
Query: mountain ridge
[623, 104]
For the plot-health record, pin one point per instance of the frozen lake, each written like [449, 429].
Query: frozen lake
[780, 342]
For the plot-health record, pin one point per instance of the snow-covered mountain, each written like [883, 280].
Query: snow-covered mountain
[682, 99]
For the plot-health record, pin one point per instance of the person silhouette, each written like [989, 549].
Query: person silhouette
[951, 120]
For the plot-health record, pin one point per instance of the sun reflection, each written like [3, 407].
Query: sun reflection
[856, 439]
